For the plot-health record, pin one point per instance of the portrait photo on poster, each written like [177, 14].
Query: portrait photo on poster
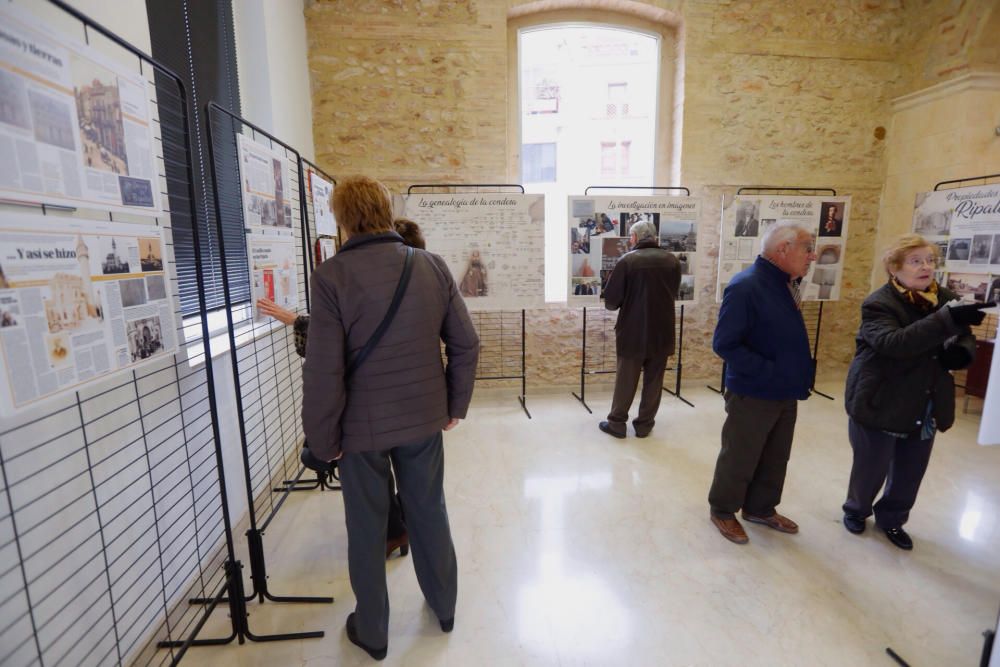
[747, 218]
[831, 219]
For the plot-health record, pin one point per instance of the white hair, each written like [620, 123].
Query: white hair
[643, 230]
[780, 232]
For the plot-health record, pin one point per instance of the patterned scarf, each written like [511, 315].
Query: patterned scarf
[925, 301]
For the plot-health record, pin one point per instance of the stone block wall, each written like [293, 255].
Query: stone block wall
[775, 93]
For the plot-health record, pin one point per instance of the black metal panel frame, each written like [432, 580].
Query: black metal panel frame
[244, 358]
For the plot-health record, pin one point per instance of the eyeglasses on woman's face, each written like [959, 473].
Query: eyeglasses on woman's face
[918, 261]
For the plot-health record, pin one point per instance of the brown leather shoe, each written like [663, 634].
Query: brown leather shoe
[730, 529]
[402, 543]
[782, 524]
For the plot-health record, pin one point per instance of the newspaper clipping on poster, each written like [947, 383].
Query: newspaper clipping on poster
[965, 225]
[322, 191]
[599, 230]
[494, 244]
[327, 248]
[75, 127]
[746, 218]
[273, 270]
[79, 299]
[266, 188]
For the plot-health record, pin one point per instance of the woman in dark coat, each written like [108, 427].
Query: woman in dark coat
[396, 536]
[900, 391]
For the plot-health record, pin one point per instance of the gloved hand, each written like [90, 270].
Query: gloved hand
[970, 315]
[310, 461]
[959, 352]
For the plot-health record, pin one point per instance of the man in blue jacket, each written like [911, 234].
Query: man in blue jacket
[763, 340]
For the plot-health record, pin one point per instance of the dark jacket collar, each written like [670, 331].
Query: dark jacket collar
[771, 270]
[364, 239]
[647, 243]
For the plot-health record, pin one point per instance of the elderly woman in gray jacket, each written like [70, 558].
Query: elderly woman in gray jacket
[899, 388]
[393, 405]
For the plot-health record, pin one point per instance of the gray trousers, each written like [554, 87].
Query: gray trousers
[626, 382]
[756, 444]
[898, 462]
[420, 477]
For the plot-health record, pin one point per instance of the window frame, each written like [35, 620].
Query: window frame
[665, 26]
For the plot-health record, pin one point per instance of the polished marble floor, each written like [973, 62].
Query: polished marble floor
[578, 549]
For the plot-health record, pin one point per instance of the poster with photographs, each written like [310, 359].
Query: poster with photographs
[265, 185]
[494, 244]
[273, 270]
[745, 219]
[79, 300]
[322, 193]
[599, 231]
[965, 225]
[75, 126]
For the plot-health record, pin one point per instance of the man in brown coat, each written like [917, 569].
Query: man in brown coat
[642, 288]
[395, 404]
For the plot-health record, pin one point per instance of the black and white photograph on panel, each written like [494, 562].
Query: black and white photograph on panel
[959, 249]
[747, 218]
[156, 287]
[145, 337]
[981, 246]
[133, 292]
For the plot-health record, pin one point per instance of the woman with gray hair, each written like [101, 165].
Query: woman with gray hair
[899, 388]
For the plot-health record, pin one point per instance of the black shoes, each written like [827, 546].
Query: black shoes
[854, 524]
[899, 537]
[606, 427]
[448, 625]
[352, 634]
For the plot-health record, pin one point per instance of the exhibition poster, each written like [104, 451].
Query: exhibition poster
[265, 186]
[322, 191]
[494, 244]
[965, 225]
[599, 229]
[273, 270]
[327, 249]
[79, 300]
[747, 217]
[75, 126]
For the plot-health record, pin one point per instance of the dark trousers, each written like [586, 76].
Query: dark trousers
[756, 443]
[420, 475]
[626, 382]
[898, 462]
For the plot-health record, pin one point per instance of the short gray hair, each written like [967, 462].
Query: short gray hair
[643, 230]
[782, 231]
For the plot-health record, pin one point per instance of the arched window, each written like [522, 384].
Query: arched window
[592, 104]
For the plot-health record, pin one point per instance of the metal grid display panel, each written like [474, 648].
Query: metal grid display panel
[601, 355]
[112, 511]
[500, 344]
[268, 372]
